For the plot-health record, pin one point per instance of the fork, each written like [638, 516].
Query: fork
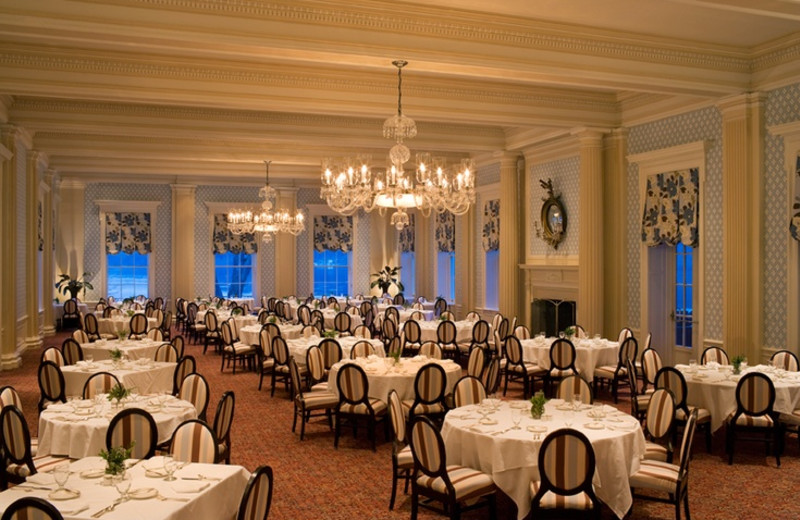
[108, 509]
[163, 498]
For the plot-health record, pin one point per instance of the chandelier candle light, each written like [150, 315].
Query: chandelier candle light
[347, 185]
[266, 221]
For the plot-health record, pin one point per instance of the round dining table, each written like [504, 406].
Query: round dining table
[249, 334]
[589, 353]
[115, 324]
[299, 346]
[385, 375]
[133, 349]
[144, 375]
[463, 330]
[78, 428]
[502, 440]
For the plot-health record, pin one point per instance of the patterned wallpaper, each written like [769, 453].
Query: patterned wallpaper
[489, 174]
[22, 179]
[705, 124]
[783, 106]
[565, 174]
[94, 245]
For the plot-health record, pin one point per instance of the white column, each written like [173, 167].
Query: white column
[615, 288]
[37, 162]
[510, 236]
[286, 247]
[48, 255]
[183, 253]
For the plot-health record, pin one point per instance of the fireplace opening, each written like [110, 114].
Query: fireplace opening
[552, 316]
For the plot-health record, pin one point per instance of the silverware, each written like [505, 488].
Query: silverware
[108, 509]
[76, 511]
[162, 498]
[34, 487]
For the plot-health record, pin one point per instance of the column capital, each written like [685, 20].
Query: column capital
[187, 189]
[617, 134]
[736, 106]
[589, 136]
[18, 134]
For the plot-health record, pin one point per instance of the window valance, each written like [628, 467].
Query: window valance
[128, 233]
[446, 232]
[333, 232]
[227, 242]
[408, 235]
[794, 225]
[671, 209]
[491, 225]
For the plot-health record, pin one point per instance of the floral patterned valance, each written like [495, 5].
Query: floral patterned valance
[128, 232]
[407, 236]
[794, 225]
[39, 224]
[333, 233]
[445, 232]
[491, 225]
[671, 209]
[227, 242]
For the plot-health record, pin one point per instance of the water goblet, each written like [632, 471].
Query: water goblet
[542, 335]
[89, 358]
[122, 481]
[169, 467]
[576, 401]
[61, 475]
[516, 418]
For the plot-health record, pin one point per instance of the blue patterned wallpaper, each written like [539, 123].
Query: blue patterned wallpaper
[94, 244]
[565, 174]
[22, 179]
[705, 124]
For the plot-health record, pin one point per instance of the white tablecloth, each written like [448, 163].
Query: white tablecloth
[463, 330]
[715, 390]
[133, 349]
[240, 319]
[330, 314]
[217, 500]
[58, 309]
[298, 347]
[120, 323]
[589, 353]
[150, 378]
[82, 432]
[384, 375]
[511, 456]
[249, 334]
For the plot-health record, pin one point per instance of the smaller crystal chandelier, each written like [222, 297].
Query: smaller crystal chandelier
[347, 185]
[266, 221]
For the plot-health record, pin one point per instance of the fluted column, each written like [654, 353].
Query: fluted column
[615, 258]
[48, 256]
[286, 247]
[590, 231]
[742, 187]
[36, 162]
[183, 254]
[425, 256]
[510, 235]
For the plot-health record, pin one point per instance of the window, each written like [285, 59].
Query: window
[408, 273]
[127, 274]
[233, 275]
[684, 263]
[331, 272]
[446, 285]
[492, 278]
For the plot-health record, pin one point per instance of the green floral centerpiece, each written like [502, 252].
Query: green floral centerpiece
[569, 332]
[330, 334]
[118, 393]
[737, 363]
[396, 356]
[385, 278]
[537, 404]
[115, 458]
[272, 319]
[115, 354]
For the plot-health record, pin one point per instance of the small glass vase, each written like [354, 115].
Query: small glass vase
[736, 369]
[536, 413]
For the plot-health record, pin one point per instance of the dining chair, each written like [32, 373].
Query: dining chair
[194, 441]
[575, 385]
[187, 365]
[755, 414]
[194, 389]
[665, 477]
[468, 390]
[388, 329]
[431, 349]
[430, 384]
[331, 352]
[362, 349]
[137, 326]
[395, 347]
[90, 328]
[458, 488]
[280, 370]
[472, 316]
[446, 336]
[133, 428]
[212, 333]
[479, 337]
[257, 497]
[31, 508]
[155, 334]
[785, 360]
[562, 361]
[673, 380]
[715, 354]
[341, 323]
[318, 319]
[166, 353]
[651, 364]
[355, 404]
[9, 396]
[519, 369]
[315, 367]
[580, 332]
[71, 312]
[15, 444]
[179, 343]
[72, 351]
[223, 420]
[233, 350]
[305, 403]
[476, 361]
[412, 337]
[81, 336]
[439, 306]
[491, 376]
[311, 331]
[265, 362]
[304, 314]
[659, 427]
[624, 334]
[99, 383]
[522, 332]
[392, 314]
[639, 401]
[447, 316]
[54, 355]
[192, 328]
[51, 385]
[273, 329]
[402, 459]
[619, 372]
[566, 464]
[362, 331]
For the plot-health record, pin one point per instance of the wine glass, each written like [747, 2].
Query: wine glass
[169, 466]
[576, 401]
[516, 418]
[122, 481]
[89, 358]
[61, 475]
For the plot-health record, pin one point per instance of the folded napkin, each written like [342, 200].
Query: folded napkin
[712, 364]
[41, 479]
[189, 487]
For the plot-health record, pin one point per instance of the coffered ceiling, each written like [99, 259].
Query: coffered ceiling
[203, 91]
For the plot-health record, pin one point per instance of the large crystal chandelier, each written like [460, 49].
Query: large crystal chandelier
[266, 221]
[348, 184]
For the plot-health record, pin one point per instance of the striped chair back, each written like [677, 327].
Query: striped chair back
[514, 350]
[280, 351]
[31, 508]
[427, 448]
[185, 366]
[446, 333]
[226, 333]
[785, 360]
[223, 419]
[651, 364]
[138, 324]
[311, 331]
[133, 426]
[580, 332]
[352, 310]
[364, 307]
[417, 315]
[417, 306]
[627, 350]
[439, 306]
[472, 316]
[72, 351]
[480, 332]
[10, 397]
[397, 416]
[194, 441]
[315, 364]
[362, 349]
[211, 322]
[671, 379]
[317, 318]
[257, 496]
[522, 332]
[476, 361]
[389, 328]
[178, 342]
[90, 326]
[331, 352]
[502, 329]
[82, 336]
[51, 384]
[395, 346]
[362, 331]
[265, 342]
[496, 319]
[155, 335]
[431, 349]
[71, 309]
[273, 328]
[660, 414]
[99, 383]
[755, 395]
[624, 334]
[341, 322]
[263, 316]
[158, 314]
[448, 316]
[353, 385]
[715, 354]
[194, 388]
[430, 383]
[304, 314]
[399, 299]
[15, 440]
[468, 390]
[392, 314]
[167, 353]
[295, 380]
[412, 332]
[566, 464]
[53, 354]
[562, 355]
[574, 385]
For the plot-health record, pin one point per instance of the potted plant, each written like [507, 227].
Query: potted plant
[385, 278]
[537, 404]
[115, 458]
[73, 286]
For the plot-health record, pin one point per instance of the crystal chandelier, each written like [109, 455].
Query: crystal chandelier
[266, 221]
[348, 184]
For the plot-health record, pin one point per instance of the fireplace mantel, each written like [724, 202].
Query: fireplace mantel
[554, 282]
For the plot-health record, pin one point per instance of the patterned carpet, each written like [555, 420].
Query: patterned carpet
[315, 481]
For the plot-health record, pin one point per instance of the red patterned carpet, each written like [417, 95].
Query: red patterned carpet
[315, 481]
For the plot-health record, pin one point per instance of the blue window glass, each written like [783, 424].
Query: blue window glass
[332, 273]
[408, 273]
[446, 274]
[684, 263]
[233, 275]
[492, 280]
[127, 275]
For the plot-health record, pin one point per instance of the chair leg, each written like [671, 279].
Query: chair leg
[294, 421]
[505, 389]
[336, 431]
[303, 419]
[394, 487]
[414, 503]
[272, 391]
[686, 505]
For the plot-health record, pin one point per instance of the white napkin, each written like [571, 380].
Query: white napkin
[189, 487]
[712, 365]
[41, 479]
